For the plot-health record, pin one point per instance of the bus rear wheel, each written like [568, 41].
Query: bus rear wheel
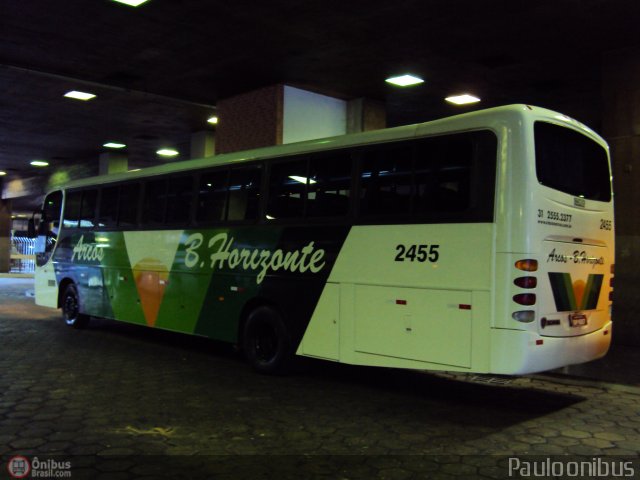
[71, 308]
[266, 341]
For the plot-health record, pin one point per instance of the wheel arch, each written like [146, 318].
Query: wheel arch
[62, 286]
[249, 307]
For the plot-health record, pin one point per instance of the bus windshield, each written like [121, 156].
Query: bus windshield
[571, 162]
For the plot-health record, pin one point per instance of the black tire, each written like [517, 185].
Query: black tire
[70, 304]
[266, 342]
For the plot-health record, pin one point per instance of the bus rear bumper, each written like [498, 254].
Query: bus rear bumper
[518, 352]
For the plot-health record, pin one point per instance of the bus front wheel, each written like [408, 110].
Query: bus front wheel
[71, 308]
[266, 342]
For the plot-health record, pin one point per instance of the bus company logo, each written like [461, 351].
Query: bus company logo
[222, 254]
[19, 467]
[87, 252]
[577, 258]
[306, 258]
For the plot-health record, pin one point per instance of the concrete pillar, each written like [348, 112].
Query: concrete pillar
[202, 144]
[112, 163]
[364, 114]
[621, 128]
[309, 115]
[5, 236]
[284, 114]
[250, 120]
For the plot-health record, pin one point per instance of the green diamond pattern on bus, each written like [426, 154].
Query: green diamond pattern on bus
[151, 267]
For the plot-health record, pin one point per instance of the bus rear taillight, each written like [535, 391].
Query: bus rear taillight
[524, 316]
[526, 282]
[525, 298]
[611, 284]
[527, 265]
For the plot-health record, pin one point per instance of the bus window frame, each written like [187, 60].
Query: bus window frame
[188, 221]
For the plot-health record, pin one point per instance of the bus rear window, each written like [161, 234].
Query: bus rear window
[571, 162]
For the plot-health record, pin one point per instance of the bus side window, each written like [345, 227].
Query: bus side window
[108, 214]
[72, 205]
[212, 196]
[443, 166]
[454, 177]
[179, 200]
[88, 211]
[287, 189]
[386, 181]
[244, 193]
[329, 186]
[154, 202]
[128, 205]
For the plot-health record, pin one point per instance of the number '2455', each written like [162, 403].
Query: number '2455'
[417, 253]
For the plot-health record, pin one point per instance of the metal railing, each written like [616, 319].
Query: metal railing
[23, 258]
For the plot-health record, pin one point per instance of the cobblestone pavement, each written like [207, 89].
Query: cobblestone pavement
[120, 401]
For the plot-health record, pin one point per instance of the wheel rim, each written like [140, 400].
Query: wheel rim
[70, 309]
[265, 344]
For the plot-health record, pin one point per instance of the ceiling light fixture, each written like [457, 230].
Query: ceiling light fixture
[39, 163]
[404, 80]
[114, 145]
[213, 120]
[78, 95]
[167, 152]
[2, 173]
[463, 99]
[132, 3]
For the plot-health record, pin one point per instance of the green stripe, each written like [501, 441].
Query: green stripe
[592, 292]
[563, 291]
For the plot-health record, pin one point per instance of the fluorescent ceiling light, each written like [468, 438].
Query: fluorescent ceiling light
[404, 80]
[301, 179]
[114, 145]
[2, 173]
[213, 120]
[78, 95]
[39, 163]
[463, 99]
[167, 152]
[132, 3]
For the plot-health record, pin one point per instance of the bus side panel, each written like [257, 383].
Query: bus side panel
[322, 337]
[90, 281]
[417, 324]
[413, 296]
[198, 281]
[296, 294]
[46, 286]
[442, 256]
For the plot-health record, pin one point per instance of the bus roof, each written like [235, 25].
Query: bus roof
[460, 122]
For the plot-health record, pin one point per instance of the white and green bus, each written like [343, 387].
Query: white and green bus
[483, 242]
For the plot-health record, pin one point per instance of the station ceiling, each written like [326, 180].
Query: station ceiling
[158, 70]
